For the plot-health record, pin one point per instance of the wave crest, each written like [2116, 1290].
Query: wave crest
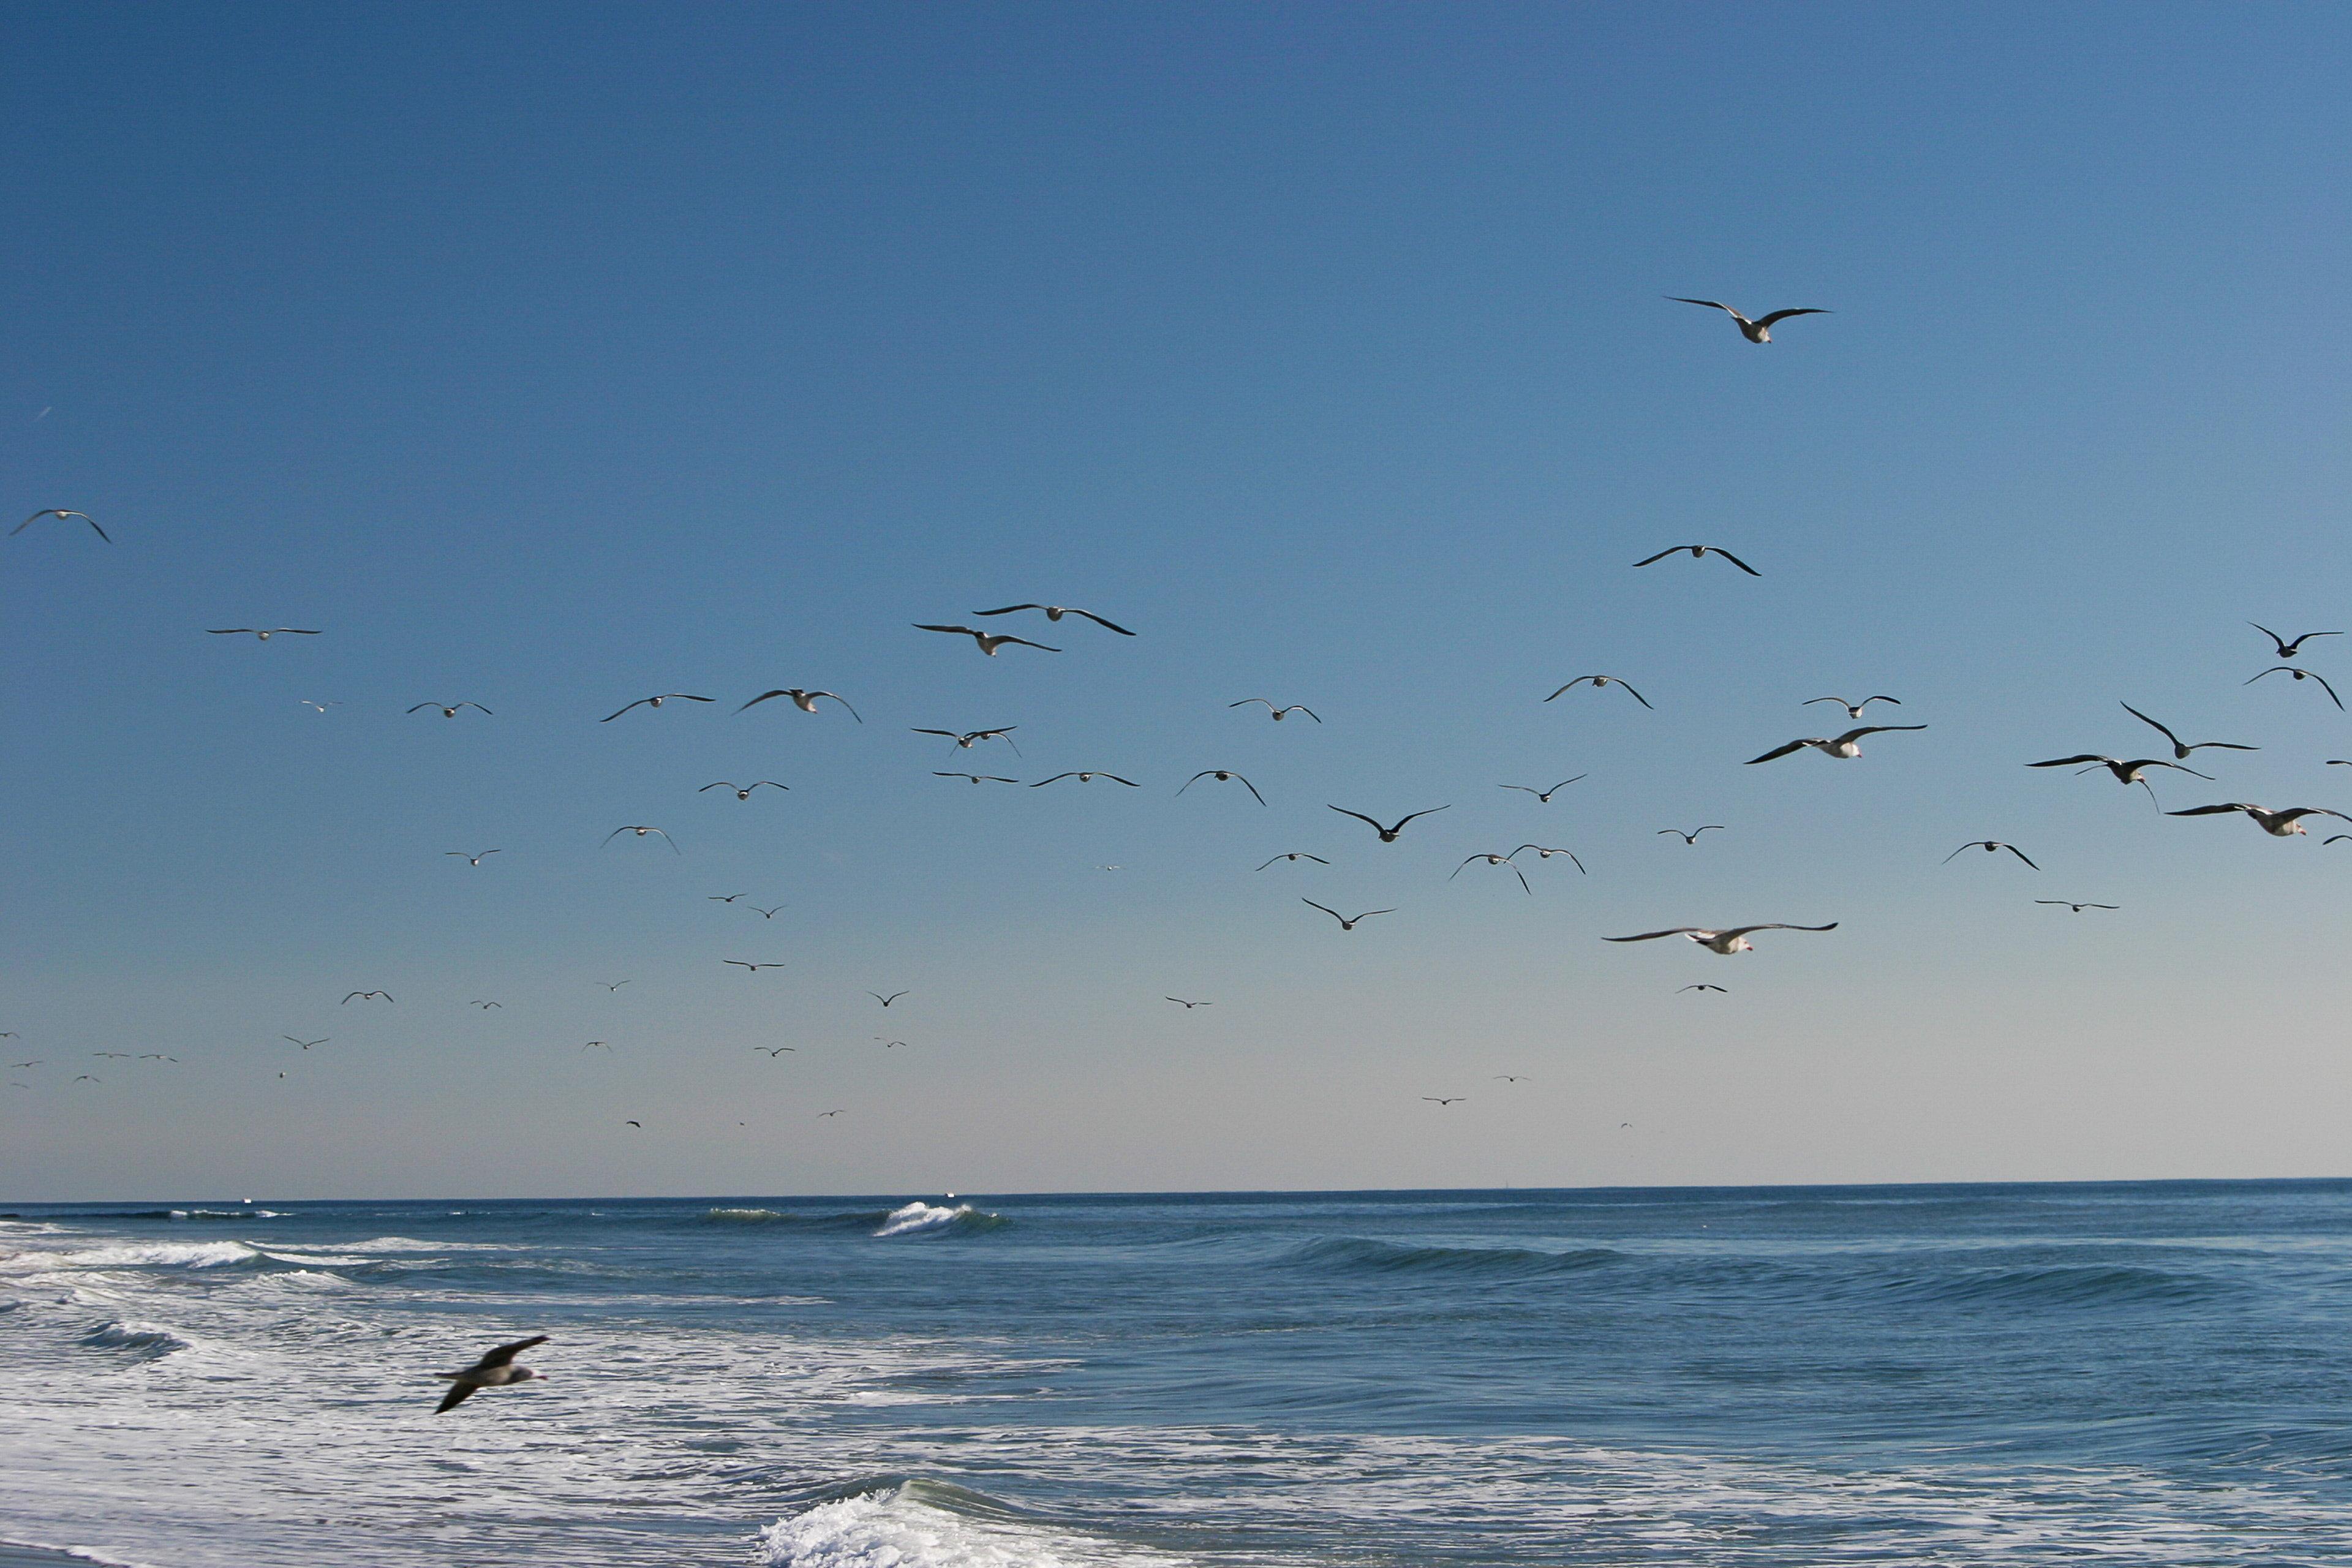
[1356, 1255]
[149, 1342]
[919, 1216]
[899, 1523]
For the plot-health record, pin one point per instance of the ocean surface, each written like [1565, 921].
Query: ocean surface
[2134, 1373]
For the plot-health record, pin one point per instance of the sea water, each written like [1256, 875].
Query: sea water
[2124, 1375]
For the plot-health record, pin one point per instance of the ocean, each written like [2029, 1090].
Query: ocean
[2128, 1373]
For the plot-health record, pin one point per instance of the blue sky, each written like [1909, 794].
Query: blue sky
[552, 357]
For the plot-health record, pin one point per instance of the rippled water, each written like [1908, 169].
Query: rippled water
[2139, 1375]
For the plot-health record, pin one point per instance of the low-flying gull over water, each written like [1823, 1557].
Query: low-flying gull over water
[1755, 331]
[966, 739]
[989, 642]
[743, 792]
[658, 701]
[1597, 682]
[2078, 909]
[1699, 552]
[1853, 710]
[803, 700]
[2180, 748]
[641, 832]
[1345, 922]
[1544, 796]
[1843, 746]
[2300, 675]
[61, 513]
[1086, 777]
[1389, 835]
[1277, 713]
[264, 633]
[1222, 775]
[1989, 846]
[1727, 942]
[449, 709]
[1297, 855]
[2289, 649]
[2277, 823]
[1052, 613]
[1692, 836]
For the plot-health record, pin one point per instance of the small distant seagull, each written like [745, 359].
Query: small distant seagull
[754, 968]
[61, 513]
[823, 1114]
[2078, 909]
[1853, 710]
[975, 778]
[1052, 613]
[486, 1006]
[1545, 794]
[364, 996]
[264, 633]
[966, 738]
[1692, 836]
[1224, 776]
[1188, 1006]
[1703, 987]
[1757, 332]
[112, 1055]
[471, 859]
[1389, 835]
[321, 706]
[2180, 748]
[1841, 746]
[1345, 922]
[92, 1077]
[496, 1370]
[641, 832]
[886, 1001]
[2278, 824]
[157, 1056]
[1723, 941]
[889, 1045]
[803, 700]
[2288, 650]
[1450, 1100]
[765, 914]
[614, 984]
[1298, 855]
[1598, 681]
[726, 898]
[1508, 1077]
[989, 643]
[2302, 674]
[658, 701]
[306, 1045]
[1277, 713]
[1989, 846]
[1544, 852]
[1493, 860]
[596, 1046]
[42, 1062]
[774, 1051]
[1698, 552]
[743, 792]
[448, 710]
[1086, 778]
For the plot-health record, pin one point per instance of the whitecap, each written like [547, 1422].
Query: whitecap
[148, 1340]
[919, 1215]
[906, 1526]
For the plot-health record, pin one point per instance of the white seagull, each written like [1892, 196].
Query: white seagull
[1598, 681]
[1277, 713]
[448, 710]
[989, 642]
[1543, 794]
[641, 832]
[472, 859]
[966, 739]
[1504, 860]
[61, 513]
[1087, 777]
[803, 700]
[1699, 552]
[1055, 612]
[2302, 674]
[1222, 775]
[1853, 710]
[1723, 941]
[1836, 746]
[1989, 846]
[743, 791]
[2277, 823]
[1755, 331]
[658, 701]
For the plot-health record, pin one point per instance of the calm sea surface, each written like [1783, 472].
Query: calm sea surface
[2126, 1375]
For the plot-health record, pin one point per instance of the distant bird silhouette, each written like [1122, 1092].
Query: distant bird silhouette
[471, 859]
[776, 1051]
[1508, 1077]
[1727, 942]
[823, 1114]
[743, 792]
[765, 914]
[641, 832]
[1697, 552]
[321, 706]
[2302, 674]
[1841, 746]
[886, 1001]
[1990, 846]
[1447, 1100]
[965, 739]
[803, 700]
[486, 1006]
[1692, 836]
[448, 710]
[1545, 852]
[1504, 860]
[975, 778]
[264, 633]
[725, 898]
[2289, 649]
[1052, 613]
[988, 642]
[1188, 1006]
[1758, 330]
[1222, 775]
[1853, 710]
[1277, 713]
[1389, 835]
[1297, 855]
[1597, 682]
[753, 968]
[2180, 748]
[61, 513]
[306, 1045]
[2078, 909]
[614, 984]
[1544, 795]
[364, 996]
[1087, 777]
[1702, 987]
[656, 703]
[1345, 922]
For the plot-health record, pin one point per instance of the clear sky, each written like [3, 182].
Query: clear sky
[549, 357]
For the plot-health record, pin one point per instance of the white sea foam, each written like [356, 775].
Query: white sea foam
[138, 1254]
[919, 1215]
[912, 1526]
[150, 1340]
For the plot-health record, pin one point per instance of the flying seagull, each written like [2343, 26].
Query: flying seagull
[641, 832]
[1277, 713]
[1087, 777]
[264, 633]
[1389, 835]
[823, 1114]
[2288, 650]
[1345, 922]
[743, 792]
[966, 738]
[2278, 824]
[1853, 710]
[321, 706]
[1544, 795]
[600, 1045]
[2078, 909]
[1703, 987]
[1494, 860]
[486, 1006]
[366, 996]
[1222, 775]
[658, 701]
[1598, 681]
[1692, 836]
[614, 984]
[1544, 852]
[1755, 331]
[2181, 749]
[2302, 674]
[975, 778]
[1297, 855]
[1989, 846]
[1838, 746]
[1448, 1099]
[753, 968]
[471, 859]
[886, 1001]
[1699, 552]
[725, 898]
[989, 643]
[448, 710]
[769, 914]
[803, 700]
[2127, 772]
[61, 513]
[1052, 613]
[1723, 941]
[1508, 1077]
[776, 1051]
[1188, 1006]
